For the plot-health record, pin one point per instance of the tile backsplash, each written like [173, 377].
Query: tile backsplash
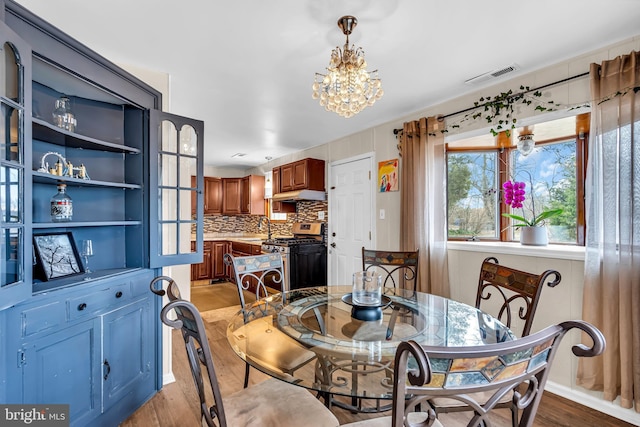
[306, 212]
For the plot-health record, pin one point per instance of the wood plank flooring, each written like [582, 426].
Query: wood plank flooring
[176, 405]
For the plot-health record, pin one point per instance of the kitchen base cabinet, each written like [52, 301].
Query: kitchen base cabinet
[203, 270]
[219, 248]
[93, 349]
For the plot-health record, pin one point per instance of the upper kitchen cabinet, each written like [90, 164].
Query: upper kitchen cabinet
[231, 196]
[252, 195]
[243, 196]
[306, 174]
[212, 196]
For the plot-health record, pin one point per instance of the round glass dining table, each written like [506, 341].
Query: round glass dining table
[312, 337]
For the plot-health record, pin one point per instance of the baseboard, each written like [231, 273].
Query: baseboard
[609, 408]
[168, 378]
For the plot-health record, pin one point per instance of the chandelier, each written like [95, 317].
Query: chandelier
[348, 87]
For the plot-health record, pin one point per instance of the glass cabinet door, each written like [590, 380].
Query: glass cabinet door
[15, 84]
[176, 145]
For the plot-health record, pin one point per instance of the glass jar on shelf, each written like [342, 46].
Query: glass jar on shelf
[61, 205]
[63, 117]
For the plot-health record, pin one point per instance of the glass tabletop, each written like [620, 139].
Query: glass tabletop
[312, 337]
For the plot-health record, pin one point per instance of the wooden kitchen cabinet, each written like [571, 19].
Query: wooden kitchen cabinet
[305, 174]
[252, 195]
[280, 207]
[243, 196]
[203, 270]
[212, 266]
[218, 267]
[231, 196]
[212, 195]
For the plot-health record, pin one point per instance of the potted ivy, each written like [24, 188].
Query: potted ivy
[532, 231]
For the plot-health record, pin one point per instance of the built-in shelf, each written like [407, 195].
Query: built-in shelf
[47, 178]
[43, 225]
[45, 131]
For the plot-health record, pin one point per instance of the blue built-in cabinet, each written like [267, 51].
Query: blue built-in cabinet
[87, 335]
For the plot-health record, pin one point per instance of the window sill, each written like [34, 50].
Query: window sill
[575, 253]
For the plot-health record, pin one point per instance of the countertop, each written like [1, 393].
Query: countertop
[236, 237]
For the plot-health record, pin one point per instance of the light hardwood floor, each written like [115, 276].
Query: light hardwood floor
[176, 405]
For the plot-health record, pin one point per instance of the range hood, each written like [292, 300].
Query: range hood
[294, 196]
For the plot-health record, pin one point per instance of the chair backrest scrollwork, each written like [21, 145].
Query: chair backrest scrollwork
[251, 272]
[399, 269]
[515, 290]
[460, 373]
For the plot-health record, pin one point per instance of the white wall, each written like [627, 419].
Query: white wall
[558, 304]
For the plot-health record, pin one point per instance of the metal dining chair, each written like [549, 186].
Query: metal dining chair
[512, 296]
[252, 272]
[399, 269]
[493, 370]
[270, 403]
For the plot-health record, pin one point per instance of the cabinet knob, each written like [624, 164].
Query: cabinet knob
[82, 306]
[118, 294]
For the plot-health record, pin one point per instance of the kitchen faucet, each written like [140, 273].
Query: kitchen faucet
[268, 225]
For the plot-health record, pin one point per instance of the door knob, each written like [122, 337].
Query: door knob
[333, 245]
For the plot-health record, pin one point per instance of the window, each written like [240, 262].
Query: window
[553, 174]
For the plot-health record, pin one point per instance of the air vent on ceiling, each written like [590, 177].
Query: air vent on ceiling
[492, 74]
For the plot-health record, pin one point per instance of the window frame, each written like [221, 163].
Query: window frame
[581, 136]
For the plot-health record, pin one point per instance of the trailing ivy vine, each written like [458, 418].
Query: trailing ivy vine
[498, 111]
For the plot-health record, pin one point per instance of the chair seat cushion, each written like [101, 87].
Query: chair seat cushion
[271, 346]
[278, 404]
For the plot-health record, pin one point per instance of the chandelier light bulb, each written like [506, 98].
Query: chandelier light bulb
[348, 86]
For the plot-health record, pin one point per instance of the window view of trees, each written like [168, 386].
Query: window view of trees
[472, 196]
[476, 173]
[550, 176]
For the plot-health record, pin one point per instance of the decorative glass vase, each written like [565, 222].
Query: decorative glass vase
[63, 116]
[61, 205]
[534, 236]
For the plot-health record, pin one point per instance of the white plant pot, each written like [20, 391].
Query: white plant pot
[534, 236]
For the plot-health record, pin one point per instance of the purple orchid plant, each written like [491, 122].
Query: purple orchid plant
[514, 195]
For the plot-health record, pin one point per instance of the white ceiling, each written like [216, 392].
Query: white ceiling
[246, 67]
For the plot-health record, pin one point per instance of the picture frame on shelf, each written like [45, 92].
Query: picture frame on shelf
[56, 255]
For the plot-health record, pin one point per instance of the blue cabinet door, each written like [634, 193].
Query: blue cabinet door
[64, 368]
[176, 151]
[15, 151]
[128, 348]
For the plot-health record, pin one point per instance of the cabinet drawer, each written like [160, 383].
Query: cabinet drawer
[84, 305]
[43, 317]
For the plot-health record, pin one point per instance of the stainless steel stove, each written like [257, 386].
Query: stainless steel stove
[304, 255]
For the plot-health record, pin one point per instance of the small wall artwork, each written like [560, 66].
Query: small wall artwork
[388, 175]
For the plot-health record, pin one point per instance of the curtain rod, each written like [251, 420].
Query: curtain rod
[395, 131]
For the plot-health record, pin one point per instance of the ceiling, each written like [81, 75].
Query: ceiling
[246, 67]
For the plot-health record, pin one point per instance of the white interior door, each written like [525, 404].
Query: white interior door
[351, 216]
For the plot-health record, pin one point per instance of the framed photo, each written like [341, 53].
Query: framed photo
[56, 255]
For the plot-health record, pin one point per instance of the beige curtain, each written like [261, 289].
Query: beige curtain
[423, 202]
[612, 262]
